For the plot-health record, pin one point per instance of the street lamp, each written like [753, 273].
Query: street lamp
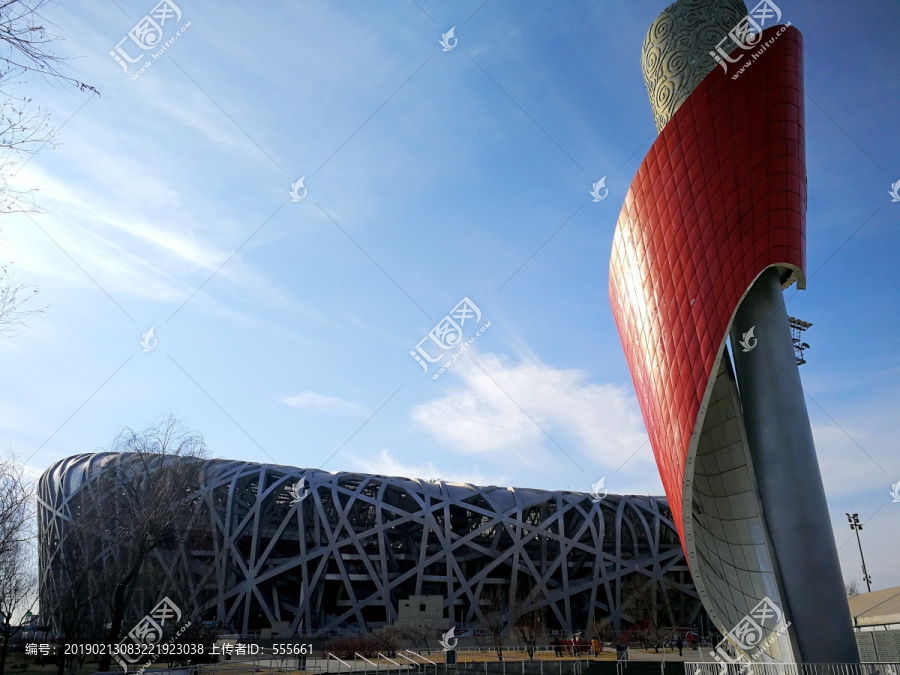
[798, 326]
[856, 526]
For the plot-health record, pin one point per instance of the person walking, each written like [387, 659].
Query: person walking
[680, 645]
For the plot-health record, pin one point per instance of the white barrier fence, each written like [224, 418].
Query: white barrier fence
[792, 668]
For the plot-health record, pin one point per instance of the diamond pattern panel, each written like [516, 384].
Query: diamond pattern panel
[720, 196]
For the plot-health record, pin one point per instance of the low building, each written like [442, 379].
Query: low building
[876, 620]
[878, 610]
[423, 611]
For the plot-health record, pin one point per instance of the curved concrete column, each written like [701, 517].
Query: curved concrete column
[788, 476]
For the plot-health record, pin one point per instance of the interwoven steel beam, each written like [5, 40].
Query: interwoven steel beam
[338, 551]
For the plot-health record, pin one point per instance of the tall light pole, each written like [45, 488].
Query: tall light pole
[856, 526]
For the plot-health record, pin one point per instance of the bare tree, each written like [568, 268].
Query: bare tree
[658, 608]
[13, 298]
[525, 611]
[386, 639]
[187, 582]
[642, 602]
[126, 535]
[74, 585]
[419, 633]
[17, 578]
[24, 129]
[495, 616]
[26, 41]
[75, 621]
[601, 629]
[852, 588]
[18, 586]
[16, 506]
[26, 49]
[151, 486]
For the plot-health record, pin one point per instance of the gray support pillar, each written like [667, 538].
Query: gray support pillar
[790, 483]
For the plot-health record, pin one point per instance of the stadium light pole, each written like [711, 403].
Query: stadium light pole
[856, 526]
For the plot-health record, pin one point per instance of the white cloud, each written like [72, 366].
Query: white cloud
[310, 400]
[497, 411]
[386, 464]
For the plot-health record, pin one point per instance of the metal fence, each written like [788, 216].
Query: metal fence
[408, 661]
[520, 667]
[242, 667]
[791, 668]
[523, 652]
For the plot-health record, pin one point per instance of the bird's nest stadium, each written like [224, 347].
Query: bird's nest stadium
[323, 552]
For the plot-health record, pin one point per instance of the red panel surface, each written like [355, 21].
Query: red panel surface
[720, 196]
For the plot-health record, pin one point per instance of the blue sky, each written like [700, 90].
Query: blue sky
[431, 176]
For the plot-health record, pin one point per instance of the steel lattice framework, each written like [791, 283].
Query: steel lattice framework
[337, 551]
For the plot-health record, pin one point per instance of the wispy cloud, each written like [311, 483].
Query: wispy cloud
[310, 400]
[135, 251]
[386, 464]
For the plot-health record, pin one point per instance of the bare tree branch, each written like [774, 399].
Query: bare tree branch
[133, 513]
[18, 579]
[25, 43]
[13, 298]
[495, 612]
[26, 49]
[525, 611]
